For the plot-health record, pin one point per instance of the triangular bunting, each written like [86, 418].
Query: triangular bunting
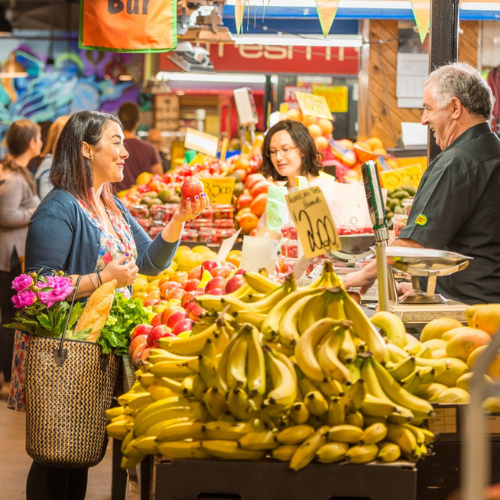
[327, 9]
[422, 13]
[239, 12]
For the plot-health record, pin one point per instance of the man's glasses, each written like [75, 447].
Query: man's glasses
[285, 151]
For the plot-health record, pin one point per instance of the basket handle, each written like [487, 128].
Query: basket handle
[61, 354]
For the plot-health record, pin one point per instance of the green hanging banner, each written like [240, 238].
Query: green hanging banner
[128, 25]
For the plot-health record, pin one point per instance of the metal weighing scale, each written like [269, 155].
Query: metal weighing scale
[424, 305]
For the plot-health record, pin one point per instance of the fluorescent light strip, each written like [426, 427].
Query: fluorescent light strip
[346, 4]
[305, 41]
[220, 77]
[479, 6]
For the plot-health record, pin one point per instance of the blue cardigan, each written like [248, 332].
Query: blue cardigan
[61, 237]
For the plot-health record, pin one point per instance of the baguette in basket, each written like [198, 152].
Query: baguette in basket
[97, 310]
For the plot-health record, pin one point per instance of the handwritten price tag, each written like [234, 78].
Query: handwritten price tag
[314, 223]
[313, 105]
[199, 141]
[399, 177]
[219, 190]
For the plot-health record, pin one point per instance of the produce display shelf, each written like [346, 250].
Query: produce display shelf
[268, 480]
[191, 244]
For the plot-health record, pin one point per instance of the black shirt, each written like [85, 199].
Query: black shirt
[457, 208]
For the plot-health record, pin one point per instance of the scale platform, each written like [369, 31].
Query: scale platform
[421, 314]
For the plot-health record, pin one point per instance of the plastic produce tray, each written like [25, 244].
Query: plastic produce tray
[268, 480]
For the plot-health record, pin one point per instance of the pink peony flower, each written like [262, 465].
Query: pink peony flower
[61, 288]
[22, 282]
[24, 299]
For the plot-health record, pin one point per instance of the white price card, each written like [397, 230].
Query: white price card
[226, 246]
[199, 141]
[258, 253]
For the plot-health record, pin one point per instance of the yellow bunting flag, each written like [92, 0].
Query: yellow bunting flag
[128, 25]
[327, 9]
[422, 12]
[239, 12]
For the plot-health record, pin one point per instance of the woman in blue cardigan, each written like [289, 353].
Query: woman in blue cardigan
[82, 229]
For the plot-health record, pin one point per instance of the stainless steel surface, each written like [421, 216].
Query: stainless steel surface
[382, 278]
[356, 243]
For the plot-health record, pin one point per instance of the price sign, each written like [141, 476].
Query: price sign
[314, 223]
[226, 246]
[199, 141]
[219, 189]
[404, 176]
[313, 105]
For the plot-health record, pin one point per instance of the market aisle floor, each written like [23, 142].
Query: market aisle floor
[15, 463]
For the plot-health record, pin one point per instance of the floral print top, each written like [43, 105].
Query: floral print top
[111, 248]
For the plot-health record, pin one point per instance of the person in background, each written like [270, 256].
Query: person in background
[289, 151]
[35, 162]
[456, 205]
[143, 157]
[43, 185]
[154, 137]
[82, 229]
[18, 200]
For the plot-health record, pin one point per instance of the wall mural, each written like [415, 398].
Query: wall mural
[78, 80]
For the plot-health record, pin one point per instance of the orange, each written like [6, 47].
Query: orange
[243, 163]
[294, 114]
[374, 142]
[326, 126]
[143, 178]
[245, 210]
[260, 187]
[380, 151]
[258, 205]
[363, 145]
[314, 130]
[321, 143]
[247, 222]
[309, 120]
[234, 257]
[346, 143]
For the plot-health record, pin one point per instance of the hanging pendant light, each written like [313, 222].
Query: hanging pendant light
[12, 68]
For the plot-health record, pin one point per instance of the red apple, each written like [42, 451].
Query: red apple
[237, 281]
[186, 299]
[190, 285]
[208, 265]
[215, 283]
[182, 326]
[240, 271]
[157, 333]
[151, 302]
[195, 274]
[231, 266]
[176, 317]
[198, 291]
[137, 354]
[179, 277]
[156, 320]
[196, 312]
[216, 291]
[221, 272]
[145, 356]
[174, 293]
[139, 340]
[140, 330]
[171, 284]
[191, 188]
[168, 312]
[190, 306]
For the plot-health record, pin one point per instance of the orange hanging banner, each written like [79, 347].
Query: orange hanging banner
[128, 25]
[239, 12]
[422, 13]
[327, 9]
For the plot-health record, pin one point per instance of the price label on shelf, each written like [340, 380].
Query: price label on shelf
[219, 189]
[199, 141]
[314, 223]
[404, 176]
[313, 105]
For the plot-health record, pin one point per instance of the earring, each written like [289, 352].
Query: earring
[90, 157]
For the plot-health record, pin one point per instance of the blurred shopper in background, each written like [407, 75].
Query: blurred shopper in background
[35, 162]
[18, 200]
[143, 157]
[43, 185]
[154, 137]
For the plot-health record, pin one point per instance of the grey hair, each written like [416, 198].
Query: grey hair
[463, 81]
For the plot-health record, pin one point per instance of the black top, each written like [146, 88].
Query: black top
[457, 208]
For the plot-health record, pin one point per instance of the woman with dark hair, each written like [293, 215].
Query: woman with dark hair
[288, 152]
[82, 229]
[18, 200]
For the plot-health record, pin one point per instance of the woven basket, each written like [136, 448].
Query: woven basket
[66, 402]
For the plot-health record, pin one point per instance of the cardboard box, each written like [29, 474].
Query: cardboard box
[271, 480]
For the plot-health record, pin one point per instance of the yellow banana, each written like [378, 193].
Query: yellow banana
[422, 435]
[328, 354]
[284, 379]
[160, 416]
[307, 450]
[242, 292]
[404, 438]
[174, 401]
[299, 413]
[354, 397]
[182, 449]
[356, 419]
[391, 326]
[315, 310]
[396, 354]
[117, 430]
[238, 403]
[169, 383]
[169, 357]
[376, 407]
[403, 369]
[145, 445]
[146, 379]
[373, 434]
[159, 392]
[130, 463]
[259, 440]
[331, 388]
[170, 369]
[336, 413]
[236, 369]
[345, 433]
[199, 387]
[256, 366]
[182, 430]
[227, 430]
[259, 282]
[134, 400]
[348, 351]
[295, 434]
[114, 412]
[212, 303]
[316, 403]
[231, 450]
[156, 428]
[365, 329]
[242, 317]
[331, 453]
[362, 454]
[208, 370]
[189, 346]
[215, 401]
[285, 452]
[187, 386]
[305, 348]
[388, 452]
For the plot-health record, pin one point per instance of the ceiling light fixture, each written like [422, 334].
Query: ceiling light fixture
[12, 68]
[219, 77]
[300, 41]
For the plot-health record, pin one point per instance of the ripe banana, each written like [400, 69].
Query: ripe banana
[365, 329]
[345, 433]
[199, 387]
[227, 430]
[404, 438]
[207, 371]
[259, 440]
[403, 369]
[316, 403]
[305, 348]
[242, 292]
[284, 379]
[239, 404]
[189, 346]
[362, 454]
[156, 428]
[242, 317]
[146, 379]
[256, 366]
[236, 369]
[388, 452]
[182, 449]
[130, 463]
[315, 310]
[182, 430]
[231, 450]
[391, 326]
[307, 450]
[295, 434]
[356, 419]
[354, 397]
[299, 413]
[331, 453]
[329, 351]
[115, 412]
[135, 400]
[373, 434]
[142, 427]
[336, 413]
[348, 351]
[170, 384]
[331, 388]
[285, 452]
[215, 402]
[117, 429]
[159, 392]
[376, 407]
[259, 282]
[146, 445]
